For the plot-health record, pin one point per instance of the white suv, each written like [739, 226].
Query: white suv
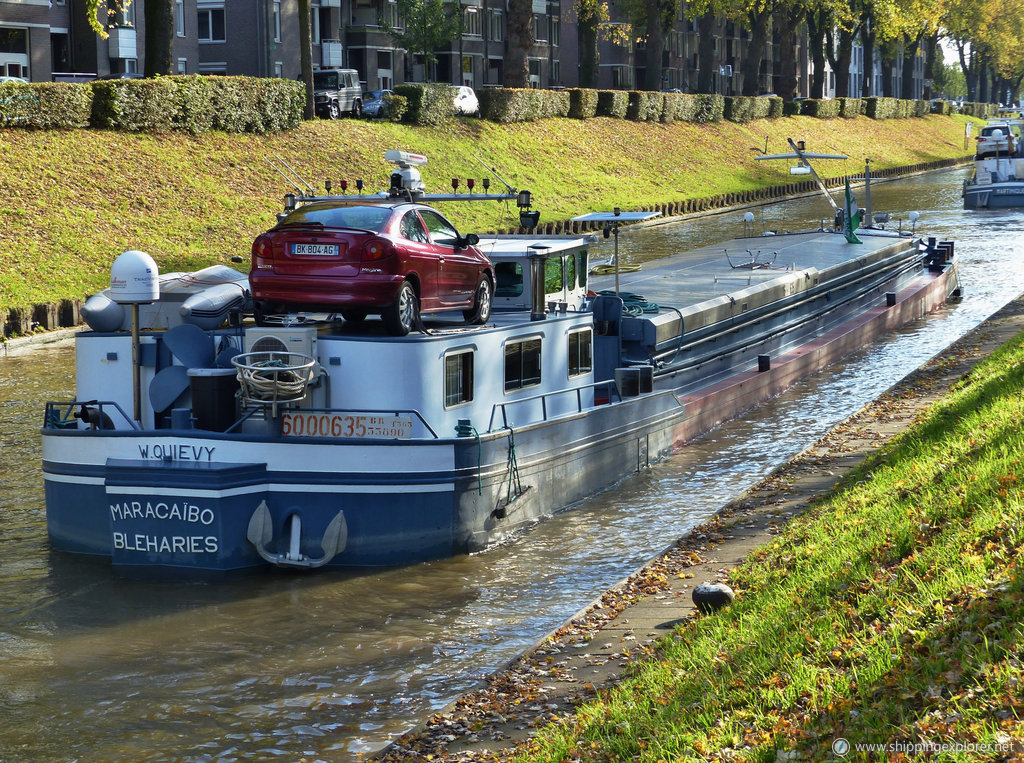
[997, 139]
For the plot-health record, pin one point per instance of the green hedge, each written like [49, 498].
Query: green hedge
[394, 107]
[850, 108]
[507, 105]
[582, 103]
[612, 103]
[196, 104]
[45, 105]
[744, 108]
[980, 110]
[710, 108]
[880, 108]
[645, 106]
[820, 108]
[429, 104]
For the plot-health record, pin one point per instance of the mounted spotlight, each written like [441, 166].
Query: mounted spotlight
[289, 202]
[529, 219]
[524, 200]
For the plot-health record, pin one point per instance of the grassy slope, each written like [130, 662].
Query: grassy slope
[891, 613]
[71, 201]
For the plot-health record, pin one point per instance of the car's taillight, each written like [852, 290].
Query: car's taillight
[262, 253]
[377, 249]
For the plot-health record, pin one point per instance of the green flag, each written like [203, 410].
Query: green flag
[851, 219]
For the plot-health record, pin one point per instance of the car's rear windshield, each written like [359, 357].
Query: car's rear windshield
[361, 217]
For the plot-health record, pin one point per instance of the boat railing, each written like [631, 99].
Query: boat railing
[544, 396]
[95, 413]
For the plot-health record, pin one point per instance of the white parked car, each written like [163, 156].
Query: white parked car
[466, 102]
[996, 139]
[20, 80]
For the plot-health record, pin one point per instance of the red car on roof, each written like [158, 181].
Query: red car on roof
[394, 258]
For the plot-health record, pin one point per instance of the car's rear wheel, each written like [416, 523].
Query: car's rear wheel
[354, 316]
[402, 315]
[357, 108]
[482, 302]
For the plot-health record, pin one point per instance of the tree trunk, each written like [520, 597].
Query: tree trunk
[159, 18]
[590, 58]
[706, 53]
[868, 42]
[817, 23]
[888, 56]
[931, 49]
[759, 23]
[655, 44]
[518, 44]
[840, 60]
[306, 56]
[910, 47]
[968, 68]
[787, 20]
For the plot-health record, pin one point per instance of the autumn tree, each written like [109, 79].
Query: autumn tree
[429, 25]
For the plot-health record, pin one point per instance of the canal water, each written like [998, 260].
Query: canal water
[326, 666]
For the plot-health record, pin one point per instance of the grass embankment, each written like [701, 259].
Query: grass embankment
[892, 613]
[71, 201]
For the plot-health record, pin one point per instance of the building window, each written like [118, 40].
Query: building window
[179, 18]
[277, 22]
[131, 66]
[581, 357]
[471, 22]
[182, 66]
[555, 21]
[391, 11]
[121, 17]
[211, 25]
[495, 26]
[522, 364]
[458, 378]
[278, 69]
[540, 28]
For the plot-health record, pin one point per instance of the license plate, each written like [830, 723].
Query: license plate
[321, 250]
[365, 426]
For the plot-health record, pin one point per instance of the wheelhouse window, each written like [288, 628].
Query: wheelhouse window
[458, 378]
[509, 279]
[581, 267]
[581, 357]
[522, 364]
[553, 275]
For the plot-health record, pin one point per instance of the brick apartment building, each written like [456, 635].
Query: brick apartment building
[45, 40]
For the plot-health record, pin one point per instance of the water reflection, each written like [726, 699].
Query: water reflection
[329, 665]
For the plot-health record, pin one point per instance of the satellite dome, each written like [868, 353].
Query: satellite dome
[134, 278]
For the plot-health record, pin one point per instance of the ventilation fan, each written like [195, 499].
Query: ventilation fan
[192, 348]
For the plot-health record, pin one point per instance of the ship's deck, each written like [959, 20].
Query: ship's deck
[692, 277]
